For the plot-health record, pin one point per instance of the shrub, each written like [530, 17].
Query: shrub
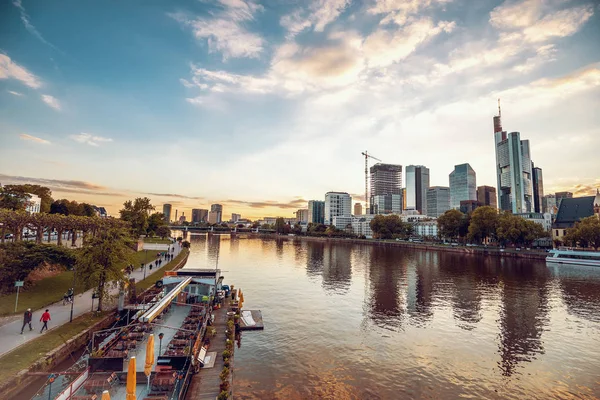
[226, 354]
[224, 374]
[226, 362]
[223, 395]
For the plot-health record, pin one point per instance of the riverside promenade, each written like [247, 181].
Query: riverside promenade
[60, 314]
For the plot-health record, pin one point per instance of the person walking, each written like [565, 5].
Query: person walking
[45, 318]
[27, 317]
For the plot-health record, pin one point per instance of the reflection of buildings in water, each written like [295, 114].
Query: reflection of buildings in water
[234, 244]
[279, 248]
[314, 258]
[580, 288]
[386, 271]
[466, 300]
[523, 316]
[299, 251]
[337, 267]
[419, 290]
[214, 248]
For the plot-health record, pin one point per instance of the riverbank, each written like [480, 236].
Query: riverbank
[475, 250]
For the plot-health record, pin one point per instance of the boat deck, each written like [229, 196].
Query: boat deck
[256, 317]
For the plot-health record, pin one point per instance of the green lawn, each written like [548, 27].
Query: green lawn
[43, 293]
[157, 240]
[25, 356]
[158, 273]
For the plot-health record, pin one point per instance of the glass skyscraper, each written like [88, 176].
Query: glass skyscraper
[463, 185]
[438, 200]
[316, 212]
[386, 189]
[417, 183]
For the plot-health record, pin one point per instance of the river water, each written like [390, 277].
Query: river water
[364, 322]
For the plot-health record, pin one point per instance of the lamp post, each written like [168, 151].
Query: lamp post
[73, 294]
[144, 268]
[160, 337]
[50, 379]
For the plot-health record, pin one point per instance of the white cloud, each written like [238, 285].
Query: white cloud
[12, 70]
[15, 93]
[225, 33]
[90, 139]
[35, 139]
[319, 14]
[399, 11]
[29, 26]
[51, 101]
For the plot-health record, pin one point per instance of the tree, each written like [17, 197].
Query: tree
[585, 233]
[44, 193]
[280, 225]
[389, 227]
[14, 221]
[517, 230]
[163, 231]
[100, 262]
[484, 223]
[449, 224]
[155, 221]
[297, 230]
[13, 197]
[137, 214]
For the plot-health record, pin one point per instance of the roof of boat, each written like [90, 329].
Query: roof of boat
[576, 253]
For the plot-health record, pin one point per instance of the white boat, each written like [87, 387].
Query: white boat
[589, 258]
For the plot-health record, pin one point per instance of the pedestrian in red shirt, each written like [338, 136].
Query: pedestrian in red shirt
[45, 318]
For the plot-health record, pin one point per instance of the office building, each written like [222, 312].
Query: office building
[513, 170]
[426, 229]
[417, 183]
[195, 215]
[385, 179]
[167, 212]
[337, 204]
[214, 217]
[316, 212]
[468, 206]
[203, 215]
[357, 209]
[562, 195]
[302, 215]
[386, 204]
[361, 225]
[549, 204]
[218, 209]
[463, 185]
[487, 196]
[33, 204]
[235, 217]
[342, 222]
[438, 200]
[538, 188]
[182, 219]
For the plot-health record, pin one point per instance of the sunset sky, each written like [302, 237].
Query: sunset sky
[261, 106]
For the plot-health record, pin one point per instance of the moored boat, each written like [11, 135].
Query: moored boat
[587, 258]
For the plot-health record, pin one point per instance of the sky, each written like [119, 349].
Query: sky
[262, 106]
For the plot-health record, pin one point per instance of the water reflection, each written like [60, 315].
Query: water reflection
[386, 303]
[314, 258]
[337, 268]
[580, 288]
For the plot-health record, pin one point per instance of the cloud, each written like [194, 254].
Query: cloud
[225, 33]
[62, 184]
[319, 14]
[15, 93]
[25, 136]
[12, 70]
[90, 139]
[51, 101]
[178, 196]
[29, 26]
[398, 12]
[296, 203]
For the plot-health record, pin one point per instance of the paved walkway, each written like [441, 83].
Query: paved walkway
[60, 314]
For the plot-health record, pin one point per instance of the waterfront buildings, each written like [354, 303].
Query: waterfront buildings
[214, 217]
[549, 204]
[573, 209]
[302, 215]
[538, 189]
[417, 183]
[235, 217]
[33, 204]
[195, 215]
[167, 212]
[386, 204]
[337, 204]
[427, 229]
[386, 179]
[342, 221]
[218, 209]
[487, 196]
[361, 225]
[513, 170]
[357, 209]
[438, 200]
[182, 219]
[463, 185]
[544, 219]
[316, 212]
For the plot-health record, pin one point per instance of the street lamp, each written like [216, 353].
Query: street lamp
[160, 337]
[50, 379]
[73, 294]
[144, 268]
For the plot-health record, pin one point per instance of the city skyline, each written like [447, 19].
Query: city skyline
[114, 112]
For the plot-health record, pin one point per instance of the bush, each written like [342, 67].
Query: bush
[226, 354]
[226, 362]
[186, 244]
[223, 395]
[224, 374]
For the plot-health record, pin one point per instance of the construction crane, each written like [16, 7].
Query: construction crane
[367, 156]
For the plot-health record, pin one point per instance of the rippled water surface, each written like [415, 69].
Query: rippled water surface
[365, 322]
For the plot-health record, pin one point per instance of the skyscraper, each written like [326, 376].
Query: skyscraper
[417, 183]
[549, 204]
[167, 212]
[386, 189]
[302, 215]
[438, 200]
[337, 204]
[513, 170]
[538, 189]
[357, 209]
[235, 217]
[386, 204]
[218, 217]
[195, 215]
[463, 185]
[316, 212]
[486, 195]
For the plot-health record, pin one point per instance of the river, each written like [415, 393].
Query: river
[365, 322]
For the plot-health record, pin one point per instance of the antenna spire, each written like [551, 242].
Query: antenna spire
[499, 111]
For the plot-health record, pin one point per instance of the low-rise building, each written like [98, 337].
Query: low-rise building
[341, 221]
[235, 217]
[544, 219]
[361, 225]
[33, 204]
[572, 210]
[426, 228]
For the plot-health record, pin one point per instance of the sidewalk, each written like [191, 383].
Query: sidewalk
[60, 314]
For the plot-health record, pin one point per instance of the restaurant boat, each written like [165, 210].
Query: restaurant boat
[586, 258]
[156, 353]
